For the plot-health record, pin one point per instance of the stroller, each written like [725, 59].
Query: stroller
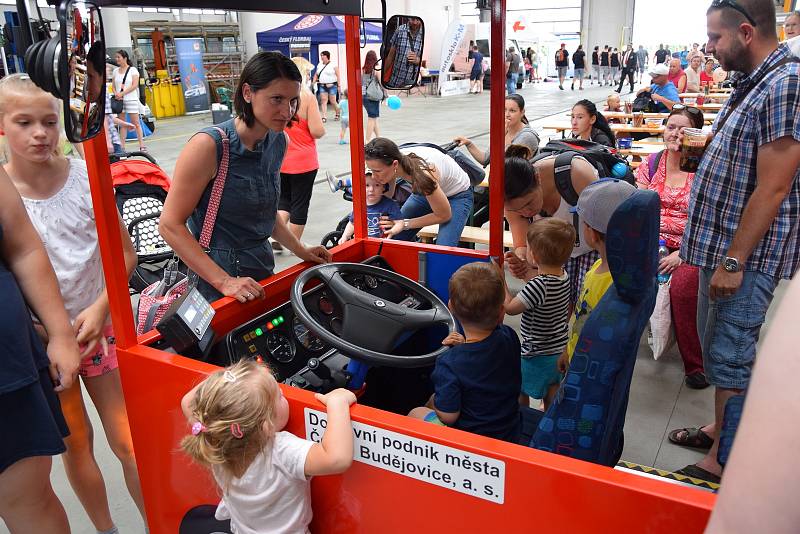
[140, 189]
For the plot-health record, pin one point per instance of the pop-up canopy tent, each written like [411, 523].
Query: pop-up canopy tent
[308, 32]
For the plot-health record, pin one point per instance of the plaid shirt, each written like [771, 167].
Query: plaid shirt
[404, 42]
[727, 175]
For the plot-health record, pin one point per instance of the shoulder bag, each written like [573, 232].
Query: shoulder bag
[154, 301]
[117, 106]
[374, 90]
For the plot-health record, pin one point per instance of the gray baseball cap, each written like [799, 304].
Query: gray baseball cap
[600, 200]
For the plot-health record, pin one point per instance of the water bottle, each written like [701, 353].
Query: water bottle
[619, 170]
[663, 252]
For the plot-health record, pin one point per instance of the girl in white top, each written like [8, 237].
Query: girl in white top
[128, 92]
[55, 191]
[236, 417]
[441, 189]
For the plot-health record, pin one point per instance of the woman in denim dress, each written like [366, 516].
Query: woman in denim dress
[239, 252]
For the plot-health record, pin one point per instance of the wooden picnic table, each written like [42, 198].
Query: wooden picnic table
[641, 150]
[616, 128]
[717, 96]
[707, 117]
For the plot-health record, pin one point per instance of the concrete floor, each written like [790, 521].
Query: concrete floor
[658, 402]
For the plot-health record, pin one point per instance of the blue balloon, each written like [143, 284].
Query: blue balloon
[394, 102]
[619, 170]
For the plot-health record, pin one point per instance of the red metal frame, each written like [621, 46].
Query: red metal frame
[574, 496]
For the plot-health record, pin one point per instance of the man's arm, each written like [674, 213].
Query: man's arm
[776, 166]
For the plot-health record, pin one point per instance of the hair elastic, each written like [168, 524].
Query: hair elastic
[228, 376]
[236, 430]
[198, 427]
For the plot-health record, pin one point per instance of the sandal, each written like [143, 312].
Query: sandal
[693, 471]
[691, 437]
[336, 117]
[324, 120]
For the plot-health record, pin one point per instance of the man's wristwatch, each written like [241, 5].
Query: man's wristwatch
[731, 265]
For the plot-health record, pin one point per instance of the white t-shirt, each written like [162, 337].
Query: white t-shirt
[117, 77]
[326, 74]
[794, 45]
[274, 495]
[66, 224]
[453, 179]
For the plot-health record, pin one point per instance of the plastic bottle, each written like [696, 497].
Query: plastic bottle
[663, 252]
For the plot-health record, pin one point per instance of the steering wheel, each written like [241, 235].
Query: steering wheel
[371, 326]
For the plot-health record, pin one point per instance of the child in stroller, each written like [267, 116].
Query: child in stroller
[377, 206]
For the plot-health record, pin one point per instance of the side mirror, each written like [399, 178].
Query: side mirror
[71, 67]
[83, 51]
[401, 52]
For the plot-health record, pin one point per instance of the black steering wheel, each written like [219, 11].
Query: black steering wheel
[371, 326]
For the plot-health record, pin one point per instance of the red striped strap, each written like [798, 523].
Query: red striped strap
[216, 191]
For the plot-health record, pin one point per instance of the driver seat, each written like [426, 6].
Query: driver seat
[586, 419]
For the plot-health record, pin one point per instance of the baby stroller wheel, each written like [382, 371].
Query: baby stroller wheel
[331, 239]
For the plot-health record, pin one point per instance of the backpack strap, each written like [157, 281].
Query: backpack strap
[653, 161]
[216, 191]
[562, 170]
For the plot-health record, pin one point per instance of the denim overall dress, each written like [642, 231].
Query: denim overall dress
[247, 211]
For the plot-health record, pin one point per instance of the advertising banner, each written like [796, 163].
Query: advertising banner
[453, 36]
[193, 74]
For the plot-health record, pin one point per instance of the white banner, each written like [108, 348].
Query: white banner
[452, 38]
[473, 474]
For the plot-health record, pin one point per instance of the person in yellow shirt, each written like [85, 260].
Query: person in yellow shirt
[596, 205]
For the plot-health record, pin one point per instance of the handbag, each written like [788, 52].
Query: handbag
[374, 90]
[662, 334]
[154, 301]
[117, 106]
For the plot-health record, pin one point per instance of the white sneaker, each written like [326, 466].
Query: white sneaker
[333, 182]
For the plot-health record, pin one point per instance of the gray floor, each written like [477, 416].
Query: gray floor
[659, 401]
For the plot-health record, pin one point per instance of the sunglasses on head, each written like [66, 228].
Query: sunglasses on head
[689, 109]
[732, 4]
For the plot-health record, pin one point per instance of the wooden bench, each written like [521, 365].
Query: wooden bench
[470, 234]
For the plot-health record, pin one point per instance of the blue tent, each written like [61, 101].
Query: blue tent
[312, 30]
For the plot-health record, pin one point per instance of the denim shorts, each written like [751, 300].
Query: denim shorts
[729, 328]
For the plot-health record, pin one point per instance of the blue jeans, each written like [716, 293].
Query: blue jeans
[729, 327]
[511, 83]
[450, 232]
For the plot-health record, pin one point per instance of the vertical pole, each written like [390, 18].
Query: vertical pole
[497, 129]
[108, 235]
[356, 111]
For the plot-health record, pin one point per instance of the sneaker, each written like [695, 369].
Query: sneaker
[572, 87]
[342, 142]
[333, 182]
[696, 381]
[561, 87]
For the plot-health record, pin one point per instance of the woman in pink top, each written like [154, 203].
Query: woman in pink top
[676, 75]
[300, 165]
[661, 173]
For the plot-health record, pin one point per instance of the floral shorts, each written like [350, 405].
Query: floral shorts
[97, 363]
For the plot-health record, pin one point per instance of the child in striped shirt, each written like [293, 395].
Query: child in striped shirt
[544, 305]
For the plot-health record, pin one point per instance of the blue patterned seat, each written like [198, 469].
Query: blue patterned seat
[587, 417]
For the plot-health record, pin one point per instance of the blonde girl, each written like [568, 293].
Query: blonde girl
[237, 416]
[55, 192]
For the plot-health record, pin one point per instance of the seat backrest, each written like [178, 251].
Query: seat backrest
[586, 419]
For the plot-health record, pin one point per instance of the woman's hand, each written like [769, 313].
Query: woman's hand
[462, 141]
[64, 361]
[89, 328]
[317, 254]
[668, 264]
[519, 268]
[118, 95]
[241, 288]
[389, 227]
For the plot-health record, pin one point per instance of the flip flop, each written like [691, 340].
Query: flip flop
[693, 471]
[692, 437]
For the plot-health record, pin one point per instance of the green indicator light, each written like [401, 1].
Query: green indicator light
[280, 319]
[275, 322]
[259, 332]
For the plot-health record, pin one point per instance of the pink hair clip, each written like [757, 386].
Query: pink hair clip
[236, 430]
[198, 427]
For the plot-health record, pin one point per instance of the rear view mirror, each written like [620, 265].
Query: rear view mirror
[402, 51]
[83, 51]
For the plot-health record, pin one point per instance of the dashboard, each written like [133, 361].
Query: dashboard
[278, 338]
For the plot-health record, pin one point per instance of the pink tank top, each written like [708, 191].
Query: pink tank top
[301, 156]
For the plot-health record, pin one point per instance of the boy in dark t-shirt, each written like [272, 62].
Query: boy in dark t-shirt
[377, 206]
[477, 382]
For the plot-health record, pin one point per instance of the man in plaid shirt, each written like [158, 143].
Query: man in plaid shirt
[405, 54]
[744, 208]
